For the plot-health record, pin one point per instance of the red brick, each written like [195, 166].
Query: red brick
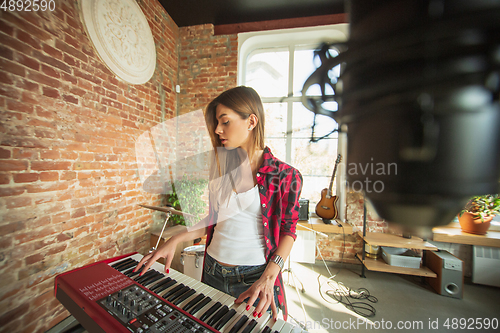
[6, 28]
[12, 67]
[57, 249]
[78, 213]
[6, 78]
[18, 106]
[25, 177]
[18, 202]
[42, 133]
[49, 176]
[52, 52]
[12, 165]
[35, 258]
[47, 187]
[47, 165]
[28, 39]
[68, 175]
[4, 179]
[4, 153]
[50, 92]
[28, 97]
[69, 78]
[44, 79]
[61, 217]
[53, 62]
[50, 71]
[13, 314]
[27, 61]
[71, 50]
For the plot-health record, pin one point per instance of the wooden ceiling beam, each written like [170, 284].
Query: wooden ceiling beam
[299, 22]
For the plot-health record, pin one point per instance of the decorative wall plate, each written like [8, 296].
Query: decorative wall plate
[122, 37]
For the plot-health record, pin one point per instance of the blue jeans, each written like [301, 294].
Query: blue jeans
[233, 280]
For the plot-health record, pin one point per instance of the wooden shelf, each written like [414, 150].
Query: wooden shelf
[381, 239]
[456, 235]
[380, 265]
[317, 224]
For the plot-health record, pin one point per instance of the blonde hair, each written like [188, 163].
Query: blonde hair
[244, 101]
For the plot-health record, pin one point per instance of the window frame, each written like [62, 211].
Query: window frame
[292, 40]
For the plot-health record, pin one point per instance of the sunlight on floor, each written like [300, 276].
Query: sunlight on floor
[309, 298]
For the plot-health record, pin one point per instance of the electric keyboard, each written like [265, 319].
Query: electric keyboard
[108, 297]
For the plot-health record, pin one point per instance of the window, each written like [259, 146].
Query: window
[276, 65]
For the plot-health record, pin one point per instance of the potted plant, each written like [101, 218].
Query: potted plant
[186, 196]
[477, 214]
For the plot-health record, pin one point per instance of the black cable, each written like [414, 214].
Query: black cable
[343, 295]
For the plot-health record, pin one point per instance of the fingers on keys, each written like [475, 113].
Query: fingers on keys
[145, 263]
[139, 265]
[274, 309]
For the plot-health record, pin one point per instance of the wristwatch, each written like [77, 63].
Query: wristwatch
[278, 260]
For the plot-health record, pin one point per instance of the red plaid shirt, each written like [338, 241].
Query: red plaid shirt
[279, 187]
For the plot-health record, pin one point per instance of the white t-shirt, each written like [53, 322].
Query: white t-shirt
[239, 235]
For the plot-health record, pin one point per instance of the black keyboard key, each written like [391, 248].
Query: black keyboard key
[223, 321]
[124, 265]
[200, 305]
[184, 296]
[164, 286]
[178, 293]
[123, 262]
[210, 311]
[250, 326]
[239, 324]
[159, 284]
[192, 302]
[172, 291]
[152, 279]
[267, 330]
[218, 315]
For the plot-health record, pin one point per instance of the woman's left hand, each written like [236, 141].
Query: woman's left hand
[263, 289]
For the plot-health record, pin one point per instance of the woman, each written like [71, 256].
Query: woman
[253, 207]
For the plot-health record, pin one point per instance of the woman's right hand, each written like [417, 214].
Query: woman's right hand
[167, 251]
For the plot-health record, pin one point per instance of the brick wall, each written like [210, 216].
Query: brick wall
[69, 187]
[207, 65]
[69, 181]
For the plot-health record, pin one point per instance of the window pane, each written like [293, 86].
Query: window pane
[317, 159]
[276, 115]
[267, 73]
[302, 121]
[311, 189]
[303, 67]
[278, 148]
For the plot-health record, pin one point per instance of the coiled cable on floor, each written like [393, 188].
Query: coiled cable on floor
[343, 295]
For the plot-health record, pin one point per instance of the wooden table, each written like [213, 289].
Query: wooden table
[317, 224]
[456, 235]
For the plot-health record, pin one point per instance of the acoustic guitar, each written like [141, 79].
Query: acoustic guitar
[327, 206]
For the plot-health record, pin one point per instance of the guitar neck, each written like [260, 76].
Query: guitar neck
[331, 181]
[330, 187]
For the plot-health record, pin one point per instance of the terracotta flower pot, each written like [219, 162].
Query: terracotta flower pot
[474, 225]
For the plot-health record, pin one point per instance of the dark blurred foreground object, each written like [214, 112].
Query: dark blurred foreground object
[418, 97]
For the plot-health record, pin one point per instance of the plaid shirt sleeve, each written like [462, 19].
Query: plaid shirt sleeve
[292, 186]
